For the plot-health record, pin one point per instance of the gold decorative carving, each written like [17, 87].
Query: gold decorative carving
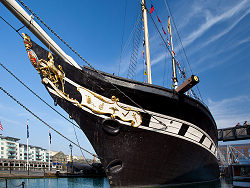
[99, 105]
[96, 103]
[50, 70]
[27, 41]
[88, 99]
[46, 68]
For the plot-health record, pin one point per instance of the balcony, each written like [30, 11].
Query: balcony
[11, 157]
[11, 153]
[10, 144]
[11, 149]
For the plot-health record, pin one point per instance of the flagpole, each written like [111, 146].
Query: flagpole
[27, 144]
[49, 151]
[146, 40]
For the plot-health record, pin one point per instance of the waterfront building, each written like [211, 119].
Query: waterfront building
[236, 151]
[35, 153]
[12, 149]
[9, 147]
[14, 153]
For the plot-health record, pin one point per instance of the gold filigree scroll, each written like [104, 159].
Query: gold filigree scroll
[50, 71]
[55, 78]
[99, 105]
[46, 68]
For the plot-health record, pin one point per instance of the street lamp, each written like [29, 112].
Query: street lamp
[71, 159]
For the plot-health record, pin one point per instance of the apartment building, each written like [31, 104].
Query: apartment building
[9, 147]
[12, 149]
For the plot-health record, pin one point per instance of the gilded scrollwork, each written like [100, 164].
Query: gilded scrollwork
[53, 76]
[99, 105]
[46, 68]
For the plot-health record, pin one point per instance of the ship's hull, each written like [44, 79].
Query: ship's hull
[175, 141]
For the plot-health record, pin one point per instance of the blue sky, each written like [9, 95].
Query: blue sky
[215, 35]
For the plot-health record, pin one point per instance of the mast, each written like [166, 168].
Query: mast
[172, 52]
[144, 10]
[28, 21]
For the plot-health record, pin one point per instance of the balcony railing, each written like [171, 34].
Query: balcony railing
[11, 149]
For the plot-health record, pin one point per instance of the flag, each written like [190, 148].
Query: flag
[152, 9]
[178, 63]
[164, 31]
[172, 85]
[168, 43]
[168, 24]
[28, 130]
[1, 127]
[49, 137]
[173, 52]
[143, 53]
[145, 73]
[159, 19]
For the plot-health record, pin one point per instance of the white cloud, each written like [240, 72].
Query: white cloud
[225, 31]
[229, 111]
[209, 22]
[212, 20]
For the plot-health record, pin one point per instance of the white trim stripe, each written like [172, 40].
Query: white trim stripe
[207, 142]
[162, 124]
[194, 134]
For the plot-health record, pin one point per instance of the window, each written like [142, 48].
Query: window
[1, 148]
[1, 152]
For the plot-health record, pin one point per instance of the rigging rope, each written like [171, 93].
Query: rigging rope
[79, 144]
[74, 125]
[170, 52]
[136, 44]
[125, 12]
[38, 96]
[17, 30]
[36, 116]
[87, 62]
[182, 45]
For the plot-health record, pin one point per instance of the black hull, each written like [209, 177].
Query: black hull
[142, 155]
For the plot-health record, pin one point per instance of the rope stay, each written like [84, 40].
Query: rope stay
[37, 95]
[36, 116]
[17, 30]
[79, 145]
[119, 90]
[184, 52]
[124, 19]
[136, 45]
[181, 72]
[73, 124]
